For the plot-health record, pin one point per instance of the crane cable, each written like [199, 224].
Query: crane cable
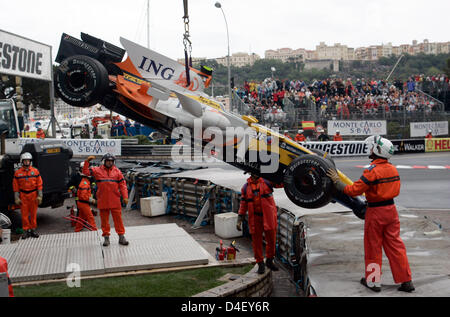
[187, 43]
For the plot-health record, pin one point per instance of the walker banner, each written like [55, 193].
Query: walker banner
[437, 145]
[80, 147]
[409, 146]
[362, 127]
[344, 148]
[420, 129]
[20, 56]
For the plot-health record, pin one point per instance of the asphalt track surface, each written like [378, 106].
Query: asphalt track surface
[422, 188]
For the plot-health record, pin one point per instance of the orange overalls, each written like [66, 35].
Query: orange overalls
[4, 269]
[257, 198]
[111, 185]
[300, 138]
[429, 136]
[28, 181]
[381, 183]
[337, 137]
[85, 212]
[40, 134]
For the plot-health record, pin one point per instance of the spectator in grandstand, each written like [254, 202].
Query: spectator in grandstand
[336, 97]
[411, 85]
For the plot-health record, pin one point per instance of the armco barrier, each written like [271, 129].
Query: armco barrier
[358, 148]
[341, 148]
[334, 149]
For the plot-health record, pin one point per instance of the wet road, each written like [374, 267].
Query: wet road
[422, 188]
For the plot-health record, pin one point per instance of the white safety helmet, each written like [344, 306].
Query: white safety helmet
[300, 131]
[429, 131]
[337, 131]
[380, 146]
[81, 170]
[26, 156]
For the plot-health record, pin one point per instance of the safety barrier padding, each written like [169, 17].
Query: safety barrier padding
[251, 284]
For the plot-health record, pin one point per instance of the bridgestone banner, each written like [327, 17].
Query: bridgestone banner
[23, 57]
[80, 147]
[345, 148]
[362, 127]
[420, 129]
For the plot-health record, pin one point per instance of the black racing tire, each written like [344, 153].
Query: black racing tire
[81, 81]
[321, 154]
[306, 183]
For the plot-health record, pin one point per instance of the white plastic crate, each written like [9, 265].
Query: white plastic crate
[225, 225]
[6, 236]
[153, 206]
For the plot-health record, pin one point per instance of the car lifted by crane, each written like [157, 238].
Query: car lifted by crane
[165, 95]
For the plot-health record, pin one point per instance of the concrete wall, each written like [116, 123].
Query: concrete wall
[251, 284]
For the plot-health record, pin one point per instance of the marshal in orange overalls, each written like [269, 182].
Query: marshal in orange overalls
[40, 134]
[381, 183]
[27, 182]
[300, 137]
[84, 209]
[4, 269]
[111, 185]
[258, 200]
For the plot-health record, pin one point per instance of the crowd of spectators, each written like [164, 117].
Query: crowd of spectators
[340, 98]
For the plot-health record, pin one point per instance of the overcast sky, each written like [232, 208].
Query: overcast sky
[254, 25]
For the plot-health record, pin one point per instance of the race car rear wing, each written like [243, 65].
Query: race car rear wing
[90, 46]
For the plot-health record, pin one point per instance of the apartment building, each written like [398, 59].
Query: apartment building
[335, 52]
[385, 50]
[239, 59]
[287, 54]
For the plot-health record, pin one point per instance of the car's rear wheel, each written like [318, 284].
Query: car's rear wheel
[81, 81]
[306, 183]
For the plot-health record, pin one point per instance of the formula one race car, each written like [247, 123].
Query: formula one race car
[159, 92]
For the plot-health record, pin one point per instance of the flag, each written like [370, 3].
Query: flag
[308, 125]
